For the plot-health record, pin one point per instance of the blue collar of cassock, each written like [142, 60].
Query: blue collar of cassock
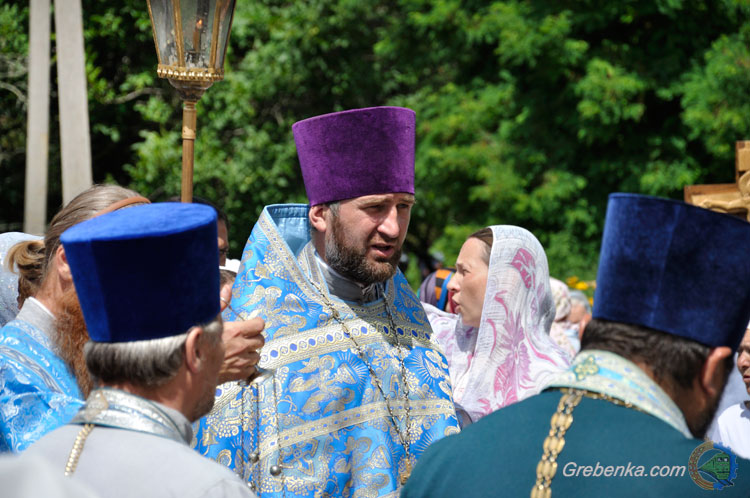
[610, 374]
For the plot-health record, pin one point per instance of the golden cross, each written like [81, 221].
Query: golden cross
[732, 198]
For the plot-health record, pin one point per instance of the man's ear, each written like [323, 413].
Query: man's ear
[319, 217]
[713, 376]
[61, 264]
[195, 353]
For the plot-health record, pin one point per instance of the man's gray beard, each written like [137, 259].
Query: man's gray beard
[352, 263]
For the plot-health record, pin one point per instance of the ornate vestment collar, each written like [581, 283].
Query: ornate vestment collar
[37, 314]
[610, 374]
[108, 407]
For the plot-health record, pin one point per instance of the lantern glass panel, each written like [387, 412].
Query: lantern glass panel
[163, 25]
[224, 10]
[197, 20]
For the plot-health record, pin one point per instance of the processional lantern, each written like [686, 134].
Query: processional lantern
[191, 38]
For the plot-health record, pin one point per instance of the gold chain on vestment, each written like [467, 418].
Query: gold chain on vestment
[405, 438]
[554, 443]
[75, 451]
[276, 470]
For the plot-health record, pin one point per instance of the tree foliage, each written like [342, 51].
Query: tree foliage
[13, 72]
[528, 113]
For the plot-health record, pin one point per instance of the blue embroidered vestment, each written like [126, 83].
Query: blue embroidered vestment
[315, 422]
[38, 393]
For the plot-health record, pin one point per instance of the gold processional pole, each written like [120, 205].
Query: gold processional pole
[191, 38]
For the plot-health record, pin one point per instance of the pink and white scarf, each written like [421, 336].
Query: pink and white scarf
[511, 355]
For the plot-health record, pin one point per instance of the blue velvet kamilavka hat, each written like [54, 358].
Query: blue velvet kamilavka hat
[145, 272]
[676, 268]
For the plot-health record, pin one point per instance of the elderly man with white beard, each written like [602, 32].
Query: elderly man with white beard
[733, 424]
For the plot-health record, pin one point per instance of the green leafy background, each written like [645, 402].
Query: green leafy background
[528, 113]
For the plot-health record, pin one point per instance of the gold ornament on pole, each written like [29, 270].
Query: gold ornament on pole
[191, 38]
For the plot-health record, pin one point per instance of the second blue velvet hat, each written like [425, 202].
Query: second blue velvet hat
[676, 268]
[145, 272]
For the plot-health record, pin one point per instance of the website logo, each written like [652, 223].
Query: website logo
[712, 466]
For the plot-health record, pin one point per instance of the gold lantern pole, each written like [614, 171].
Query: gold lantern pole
[190, 65]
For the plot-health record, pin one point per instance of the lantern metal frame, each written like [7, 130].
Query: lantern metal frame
[192, 82]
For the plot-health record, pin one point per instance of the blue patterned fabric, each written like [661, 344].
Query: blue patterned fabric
[316, 411]
[37, 391]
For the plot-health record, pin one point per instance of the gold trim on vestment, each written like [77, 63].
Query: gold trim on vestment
[342, 420]
[303, 349]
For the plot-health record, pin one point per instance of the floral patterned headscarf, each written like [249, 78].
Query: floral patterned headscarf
[510, 356]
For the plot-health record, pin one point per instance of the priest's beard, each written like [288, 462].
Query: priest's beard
[350, 259]
[71, 337]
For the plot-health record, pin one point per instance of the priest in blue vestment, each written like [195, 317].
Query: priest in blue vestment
[43, 378]
[38, 391]
[629, 416]
[352, 387]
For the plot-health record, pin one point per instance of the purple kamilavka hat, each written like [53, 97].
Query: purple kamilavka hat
[358, 152]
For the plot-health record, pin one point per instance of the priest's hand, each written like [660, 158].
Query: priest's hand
[242, 341]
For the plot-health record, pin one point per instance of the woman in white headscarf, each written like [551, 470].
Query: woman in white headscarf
[498, 346]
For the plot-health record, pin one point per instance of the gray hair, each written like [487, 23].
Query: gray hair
[334, 207]
[84, 206]
[577, 296]
[148, 363]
